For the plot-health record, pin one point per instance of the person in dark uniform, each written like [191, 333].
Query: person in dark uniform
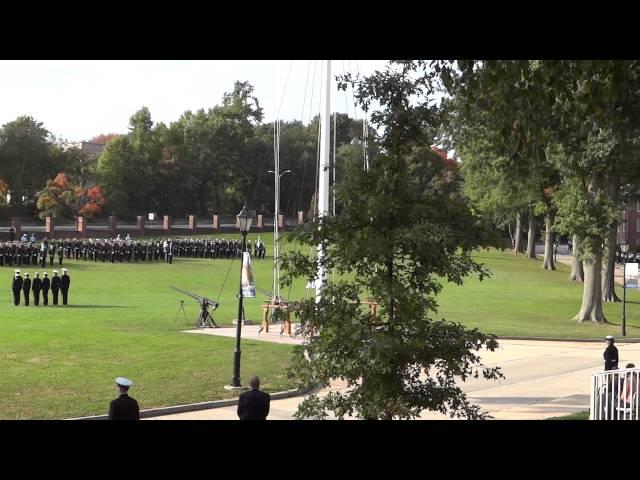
[124, 407]
[12, 233]
[26, 288]
[36, 287]
[60, 253]
[55, 286]
[610, 354]
[46, 285]
[65, 282]
[17, 287]
[254, 404]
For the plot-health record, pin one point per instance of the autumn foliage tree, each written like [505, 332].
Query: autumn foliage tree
[104, 138]
[63, 198]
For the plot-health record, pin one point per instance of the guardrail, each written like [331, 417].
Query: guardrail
[615, 395]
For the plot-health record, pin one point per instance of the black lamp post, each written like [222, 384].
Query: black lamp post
[244, 222]
[624, 248]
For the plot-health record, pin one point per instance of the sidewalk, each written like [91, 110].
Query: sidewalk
[543, 379]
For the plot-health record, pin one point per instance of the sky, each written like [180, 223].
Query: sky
[79, 99]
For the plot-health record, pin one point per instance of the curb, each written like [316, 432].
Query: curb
[585, 340]
[192, 407]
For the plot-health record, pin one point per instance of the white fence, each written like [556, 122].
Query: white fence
[614, 395]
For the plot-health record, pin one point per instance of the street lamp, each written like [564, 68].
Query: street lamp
[244, 222]
[624, 248]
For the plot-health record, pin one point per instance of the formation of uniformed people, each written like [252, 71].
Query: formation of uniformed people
[29, 252]
[39, 286]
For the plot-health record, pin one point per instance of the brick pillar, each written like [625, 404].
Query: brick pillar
[49, 227]
[300, 217]
[281, 221]
[216, 222]
[166, 223]
[113, 225]
[260, 222]
[81, 226]
[193, 224]
[140, 225]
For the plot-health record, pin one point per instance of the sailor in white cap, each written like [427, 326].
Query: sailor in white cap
[36, 287]
[55, 286]
[124, 407]
[16, 287]
[46, 285]
[65, 282]
[26, 288]
[610, 354]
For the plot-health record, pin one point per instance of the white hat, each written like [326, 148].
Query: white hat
[609, 337]
[124, 382]
[26, 274]
[44, 273]
[65, 270]
[37, 273]
[55, 271]
[17, 271]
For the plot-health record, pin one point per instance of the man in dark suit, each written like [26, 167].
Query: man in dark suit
[610, 354]
[254, 404]
[55, 286]
[26, 288]
[46, 285]
[124, 407]
[65, 282]
[16, 287]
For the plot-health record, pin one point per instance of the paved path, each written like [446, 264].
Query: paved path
[543, 379]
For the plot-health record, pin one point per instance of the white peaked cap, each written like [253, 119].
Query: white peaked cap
[124, 382]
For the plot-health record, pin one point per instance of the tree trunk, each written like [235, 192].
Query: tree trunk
[591, 308]
[577, 271]
[609, 270]
[517, 241]
[531, 237]
[548, 262]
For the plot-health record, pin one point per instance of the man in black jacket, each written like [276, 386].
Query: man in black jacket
[16, 287]
[254, 404]
[65, 282]
[610, 354]
[55, 286]
[124, 407]
[26, 287]
[36, 287]
[46, 285]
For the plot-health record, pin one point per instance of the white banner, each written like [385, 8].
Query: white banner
[631, 275]
[248, 287]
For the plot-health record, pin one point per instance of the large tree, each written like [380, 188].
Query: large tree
[403, 227]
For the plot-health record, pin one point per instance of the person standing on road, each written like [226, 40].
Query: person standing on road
[610, 354]
[254, 404]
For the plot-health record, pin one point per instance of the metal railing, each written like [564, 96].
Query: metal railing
[615, 395]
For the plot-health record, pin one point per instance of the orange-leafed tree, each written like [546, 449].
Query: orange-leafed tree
[104, 138]
[63, 198]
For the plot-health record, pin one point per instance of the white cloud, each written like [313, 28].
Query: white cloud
[80, 99]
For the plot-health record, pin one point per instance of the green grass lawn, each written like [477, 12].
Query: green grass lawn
[521, 299]
[60, 362]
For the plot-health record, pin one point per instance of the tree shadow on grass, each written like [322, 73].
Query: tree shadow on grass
[96, 306]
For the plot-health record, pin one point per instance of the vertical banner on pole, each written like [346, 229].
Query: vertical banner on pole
[248, 287]
[631, 275]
